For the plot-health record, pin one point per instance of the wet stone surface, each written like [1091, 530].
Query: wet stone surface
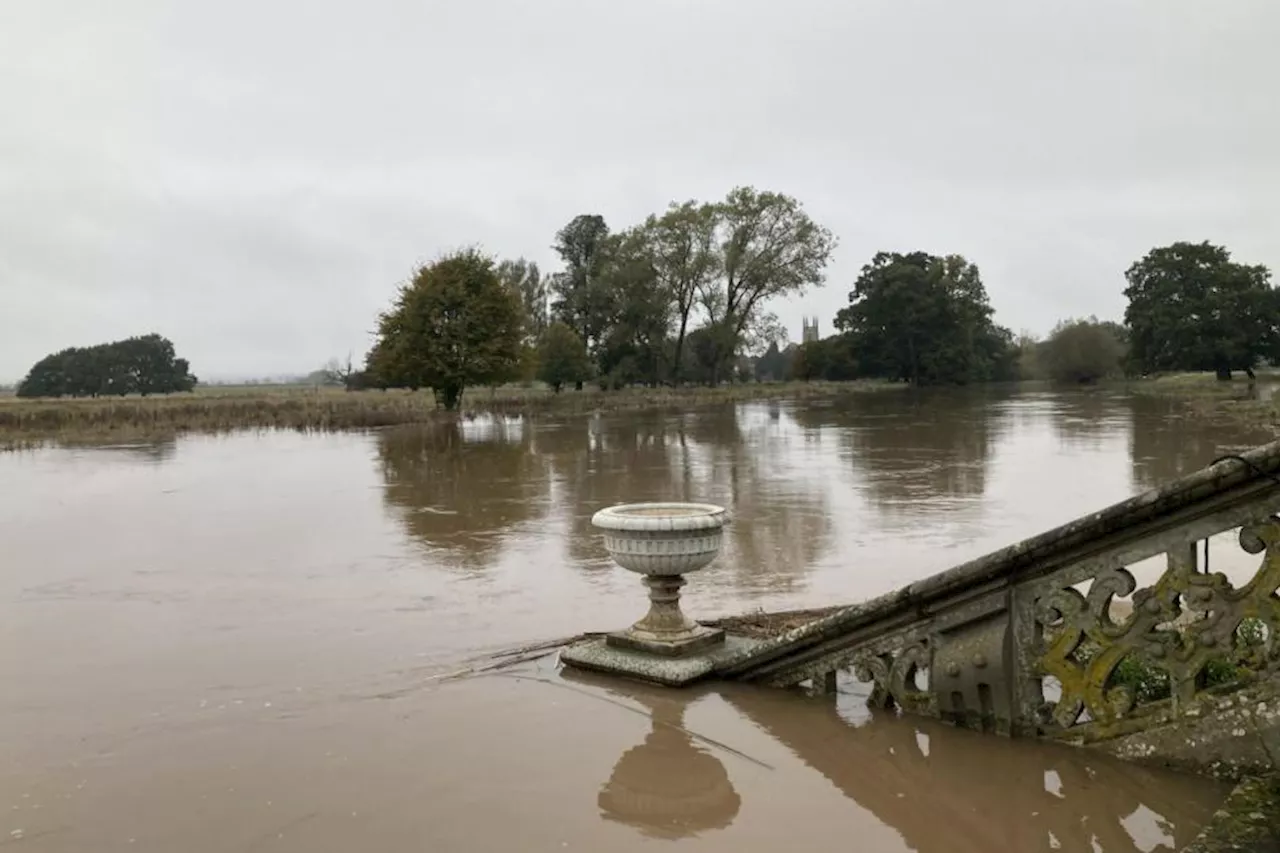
[600, 656]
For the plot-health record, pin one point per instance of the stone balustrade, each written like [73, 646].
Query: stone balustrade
[1054, 636]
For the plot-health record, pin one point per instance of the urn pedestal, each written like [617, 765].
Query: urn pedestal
[662, 542]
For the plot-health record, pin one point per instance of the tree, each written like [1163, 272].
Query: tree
[1192, 308]
[139, 365]
[452, 326]
[360, 380]
[334, 374]
[685, 259]
[523, 278]
[1029, 365]
[830, 359]
[1082, 351]
[581, 302]
[767, 247]
[776, 364]
[562, 357]
[810, 362]
[926, 320]
[635, 312]
[707, 355]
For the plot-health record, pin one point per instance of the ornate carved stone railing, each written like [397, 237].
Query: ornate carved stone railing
[1032, 639]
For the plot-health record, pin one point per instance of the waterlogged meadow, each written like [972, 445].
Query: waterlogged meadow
[222, 409]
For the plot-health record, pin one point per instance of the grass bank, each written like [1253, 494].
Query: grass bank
[222, 409]
[1240, 402]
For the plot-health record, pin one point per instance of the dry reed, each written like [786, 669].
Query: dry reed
[215, 410]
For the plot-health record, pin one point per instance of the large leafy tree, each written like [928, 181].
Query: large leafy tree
[636, 312]
[1082, 351]
[925, 319]
[144, 365]
[767, 247]
[580, 298]
[562, 357]
[524, 279]
[829, 358]
[1192, 308]
[452, 326]
[701, 356]
[685, 258]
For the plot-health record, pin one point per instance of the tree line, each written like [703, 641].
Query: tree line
[684, 297]
[926, 320]
[139, 365]
[681, 297]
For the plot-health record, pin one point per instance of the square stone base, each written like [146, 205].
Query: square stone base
[601, 656]
[699, 639]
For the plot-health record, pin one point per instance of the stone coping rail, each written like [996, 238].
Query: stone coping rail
[1228, 481]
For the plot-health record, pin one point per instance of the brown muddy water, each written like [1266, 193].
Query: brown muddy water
[227, 644]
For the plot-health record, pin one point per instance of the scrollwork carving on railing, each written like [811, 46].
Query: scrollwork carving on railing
[1222, 610]
[893, 677]
[1180, 627]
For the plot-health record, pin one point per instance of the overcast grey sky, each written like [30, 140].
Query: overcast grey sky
[254, 178]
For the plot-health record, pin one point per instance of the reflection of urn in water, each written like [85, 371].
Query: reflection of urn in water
[668, 787]
[663, 542]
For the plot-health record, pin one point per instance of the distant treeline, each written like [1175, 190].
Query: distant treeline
[139, 365]
[926, 320]
[682, 298]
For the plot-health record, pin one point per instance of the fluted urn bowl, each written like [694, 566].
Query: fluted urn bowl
[663, 542]
[662, 538]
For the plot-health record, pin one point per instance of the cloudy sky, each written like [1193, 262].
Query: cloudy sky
[252, 178]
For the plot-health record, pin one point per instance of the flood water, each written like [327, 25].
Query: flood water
[230, 643]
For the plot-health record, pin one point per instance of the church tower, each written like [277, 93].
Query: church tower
[809, 333]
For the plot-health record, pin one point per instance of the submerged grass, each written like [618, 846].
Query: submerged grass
[1238, 403]
[28, 422]
[215, 409]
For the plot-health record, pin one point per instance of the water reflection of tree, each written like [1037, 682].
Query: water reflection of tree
[779, 527]
[952, 791]
[1166, 441]
[1086, 418]
[782, 523]
[154, 451]
[914, 448]
[600, 461]
[461, 488]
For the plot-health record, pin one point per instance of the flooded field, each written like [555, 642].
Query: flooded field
[229, 643]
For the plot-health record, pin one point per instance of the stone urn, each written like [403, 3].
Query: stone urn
[663, 542]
